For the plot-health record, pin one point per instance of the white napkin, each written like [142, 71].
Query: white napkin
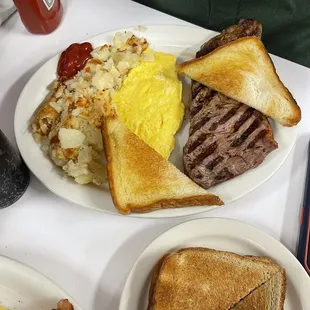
[7, 8]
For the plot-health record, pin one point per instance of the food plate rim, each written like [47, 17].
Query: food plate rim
[150, 215]
[4, 259]
[253, 234]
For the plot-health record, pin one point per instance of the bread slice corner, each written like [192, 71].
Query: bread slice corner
[268, 296]
[244, 71]
[141, 180]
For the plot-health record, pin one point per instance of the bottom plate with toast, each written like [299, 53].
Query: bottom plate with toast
[216, 263]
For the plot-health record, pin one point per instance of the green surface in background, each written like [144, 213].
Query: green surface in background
[286, 23]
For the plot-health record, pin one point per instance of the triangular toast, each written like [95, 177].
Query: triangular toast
[141, 180]
[201, 278]
[269, 296]
[244, 71]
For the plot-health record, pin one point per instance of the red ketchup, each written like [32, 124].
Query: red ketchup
[73, 59]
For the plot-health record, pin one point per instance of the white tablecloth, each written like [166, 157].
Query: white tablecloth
[90, 253]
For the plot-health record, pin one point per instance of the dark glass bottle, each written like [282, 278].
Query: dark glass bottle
[14, 174]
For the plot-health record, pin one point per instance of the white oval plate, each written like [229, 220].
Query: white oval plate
[23, 288]
[219, 234]
[182, 41]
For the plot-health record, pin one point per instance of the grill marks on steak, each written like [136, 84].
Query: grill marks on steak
[245, 116]
[226, 137]
[200, 94]
[234, 139]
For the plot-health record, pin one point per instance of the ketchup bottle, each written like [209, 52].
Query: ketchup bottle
[40, 16]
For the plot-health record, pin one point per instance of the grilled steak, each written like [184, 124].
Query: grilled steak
[226, 137]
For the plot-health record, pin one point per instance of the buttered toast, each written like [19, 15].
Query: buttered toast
[244, 71]
[141, 180]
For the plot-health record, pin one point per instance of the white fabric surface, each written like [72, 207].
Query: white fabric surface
[7, 8]
[89, 253]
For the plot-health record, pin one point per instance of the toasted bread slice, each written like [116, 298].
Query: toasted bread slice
[269, 296]
[201, 278]
[141, 180]
[244, 71]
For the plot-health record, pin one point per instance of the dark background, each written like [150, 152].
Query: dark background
[286, 23]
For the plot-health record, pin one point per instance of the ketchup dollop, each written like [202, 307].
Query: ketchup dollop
[73, 59]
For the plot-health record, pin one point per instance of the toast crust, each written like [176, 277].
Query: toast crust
[176, 203]
[155, 275]
[263, 260]
[284, 287]
[244, 71]
[141, 180]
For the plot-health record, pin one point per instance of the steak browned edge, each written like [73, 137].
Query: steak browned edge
[226, 137]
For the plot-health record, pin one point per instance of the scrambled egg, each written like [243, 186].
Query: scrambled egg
[149, 101]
